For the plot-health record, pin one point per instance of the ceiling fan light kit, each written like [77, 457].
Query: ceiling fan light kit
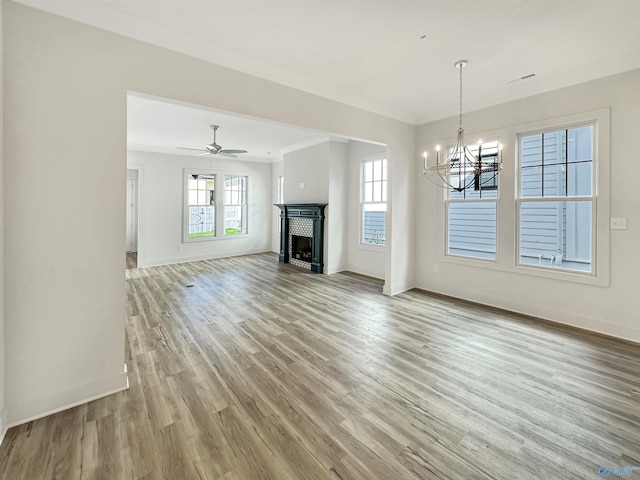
[215, 149]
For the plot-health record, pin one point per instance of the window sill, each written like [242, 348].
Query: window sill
[216, 238]
[585, 278]
[372, 248]
[529, 270]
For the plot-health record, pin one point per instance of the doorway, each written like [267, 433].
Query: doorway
[131, 240]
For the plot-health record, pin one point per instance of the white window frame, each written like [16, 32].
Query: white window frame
[219, 205]
[245, 205]
[520, 200]
[363, 162]
[185, 205]
[599, 274]
[448, 201]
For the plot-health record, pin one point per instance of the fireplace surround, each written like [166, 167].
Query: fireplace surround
[302, 235]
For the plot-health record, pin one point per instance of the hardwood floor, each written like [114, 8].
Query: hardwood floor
[246, 369]
[131, 260]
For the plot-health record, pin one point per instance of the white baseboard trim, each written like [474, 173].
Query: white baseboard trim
[3, 424]
[562, 318]
[367, 272]
[334, 269]
[196, 258]
[595, 325]
[33, 409]
[396, 289]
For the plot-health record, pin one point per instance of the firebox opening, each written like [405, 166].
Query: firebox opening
[301, 248]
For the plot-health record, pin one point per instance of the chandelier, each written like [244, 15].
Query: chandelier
[462, 169]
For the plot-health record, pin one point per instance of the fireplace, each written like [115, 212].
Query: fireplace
[301, 248]
[302, 234]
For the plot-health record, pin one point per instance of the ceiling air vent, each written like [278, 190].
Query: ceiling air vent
[525, 77]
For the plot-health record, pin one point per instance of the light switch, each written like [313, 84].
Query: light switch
[618, 223]
[301, 184]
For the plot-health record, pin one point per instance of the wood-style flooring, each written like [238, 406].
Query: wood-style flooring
[132, 260]
[246, 369]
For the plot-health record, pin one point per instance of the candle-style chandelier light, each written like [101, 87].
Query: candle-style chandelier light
[462, 169]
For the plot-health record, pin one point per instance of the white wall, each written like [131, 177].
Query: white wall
[64, 290]
[363, 259]
[161, 208]
[3, 411]
[337, 210]
[318, 174]
[330, 172]
[399, 266]
[277, 170]
[306, 174]
[612, 310]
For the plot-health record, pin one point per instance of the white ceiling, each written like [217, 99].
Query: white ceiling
[368, 53]
[157, 125]
[365, 53]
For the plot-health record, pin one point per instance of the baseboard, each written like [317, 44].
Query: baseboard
[3, 424]
[568, 319]
[396, 289]
[367, 272]
[197, 258]
[334, 269]
[32, 409]
[598, 326]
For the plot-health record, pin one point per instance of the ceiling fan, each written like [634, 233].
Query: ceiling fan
[215, 149]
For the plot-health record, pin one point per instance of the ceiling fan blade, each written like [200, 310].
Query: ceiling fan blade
[223, 153]
[204, 154]
[196, 149]
[226, 150]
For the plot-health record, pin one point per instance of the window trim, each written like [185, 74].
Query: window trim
[557, 198]
[599, 274]
[363, 160]
[246, 205]
[448, 201]
[185, 204]
[219, 203]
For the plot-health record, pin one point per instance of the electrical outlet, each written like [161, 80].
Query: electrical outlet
[435, 267]
[618, 223]
[179, 247]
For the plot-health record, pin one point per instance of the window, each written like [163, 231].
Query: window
[208, 211]
[374, 202]
[471, 213]
[235, 205]
[556, 199]
[201, 205]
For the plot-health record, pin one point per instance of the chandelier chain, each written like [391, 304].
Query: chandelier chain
[462, 169]
[460, 116]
